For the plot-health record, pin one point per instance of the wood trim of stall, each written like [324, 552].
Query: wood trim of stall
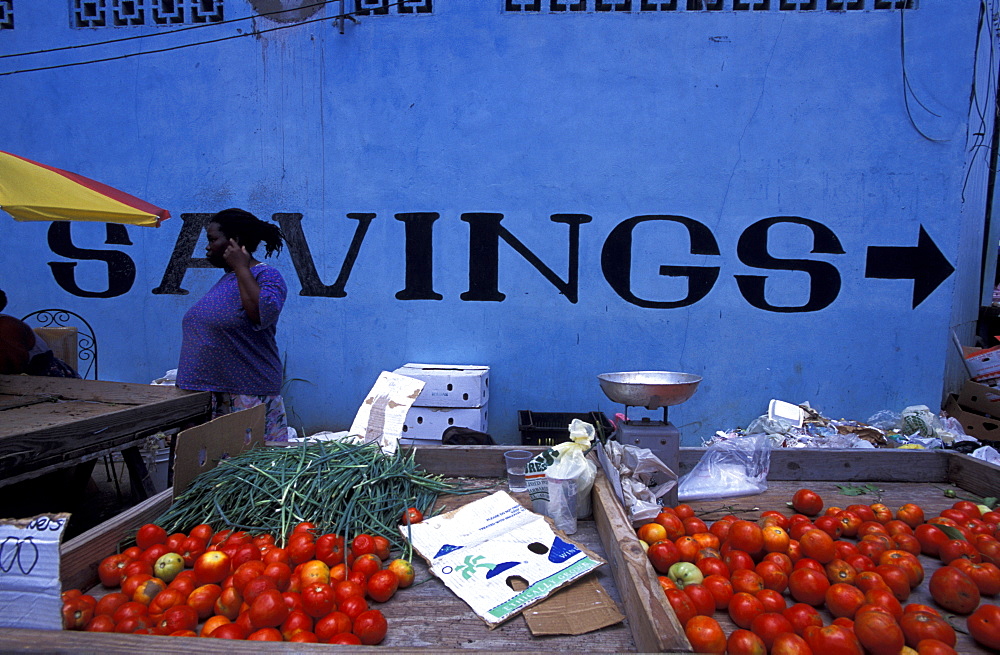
[653, 624]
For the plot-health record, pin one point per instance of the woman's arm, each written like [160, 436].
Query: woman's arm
[238, 259]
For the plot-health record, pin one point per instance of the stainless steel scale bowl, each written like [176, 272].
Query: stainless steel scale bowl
[652, 390]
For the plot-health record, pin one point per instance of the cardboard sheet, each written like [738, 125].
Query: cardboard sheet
[198, 449]
[582, 607]
[479, 549]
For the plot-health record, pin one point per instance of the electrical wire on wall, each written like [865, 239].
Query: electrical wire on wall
[983, 135]
[907, 88]
[350, 15]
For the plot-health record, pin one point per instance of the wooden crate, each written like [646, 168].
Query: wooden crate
[438, 621]
[904, 475]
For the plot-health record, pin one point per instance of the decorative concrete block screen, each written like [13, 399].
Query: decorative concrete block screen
[129, 13]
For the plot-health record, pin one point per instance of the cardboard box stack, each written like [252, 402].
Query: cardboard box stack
[977, 405]
[453, 395]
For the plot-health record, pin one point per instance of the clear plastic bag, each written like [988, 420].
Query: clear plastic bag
[566, 461]
[734, 467]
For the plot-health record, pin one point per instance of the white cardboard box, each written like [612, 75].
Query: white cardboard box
[450, 385]
[431, 422]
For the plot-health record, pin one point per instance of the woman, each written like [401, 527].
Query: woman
[228, 344]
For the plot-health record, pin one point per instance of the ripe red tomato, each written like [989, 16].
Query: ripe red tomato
[832, 639]
[229, 631]
[830, 525]
[769, 625]
[268, 610]
[683, 608]
[382, 585]
[885, 599]
[318, 599]
[789, 643]
[772, 600]
[818, 545]
[911, 514]
[746, 536]
[297, 621]
[808, 586]
[896, 579]
[906, 561]
[301, 547]
[363, 543]
[879, 633]
[672, 523]
[330, 549]
[109, 603]
[331, 625]
[412, 515]
[954, 590]
[720, 588]
[744, 642]
[100, 623]
[179, 617]
[985, 575]
[984, 626]
[743, 607]
[918, 626]
[844, 599]
[662, 555]
[746, 580]
[306, 527]
[802, 616]
[701, 598]
[737, 559]
[712, 566]
[705, 635]
[808, 502]
[353, 606]
[931, 538]
[955, 548]
[110, 569]
[772, 576]
[840, 571]
[203, 598]
[78, 611]
[212, 567]
[370, 627]
[150, 535]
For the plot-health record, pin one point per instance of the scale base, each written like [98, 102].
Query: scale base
[662, 438]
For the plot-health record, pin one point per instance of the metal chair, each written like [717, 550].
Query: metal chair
[85, 357]
[86, 340]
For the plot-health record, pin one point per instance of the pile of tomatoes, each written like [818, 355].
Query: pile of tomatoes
[860, 563]
[232, 585]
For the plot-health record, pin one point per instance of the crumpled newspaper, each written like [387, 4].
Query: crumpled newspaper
[987, 454]
[638, 477]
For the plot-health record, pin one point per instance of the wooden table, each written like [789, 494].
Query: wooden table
[48, 424]
[429, 618]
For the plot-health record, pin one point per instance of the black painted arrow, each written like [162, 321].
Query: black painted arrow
[923, 263]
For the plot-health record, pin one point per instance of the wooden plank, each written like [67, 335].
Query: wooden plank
[652, 621]
[852, 465]
[13, 402]
[975, 475]
[32, 449]
[80, 556]
[479, 461]
[124, 393]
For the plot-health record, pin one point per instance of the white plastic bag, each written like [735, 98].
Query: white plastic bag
[734, 467]
[566, 461]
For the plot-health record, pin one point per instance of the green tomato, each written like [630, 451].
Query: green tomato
[168, 566]
[685, 573]
[984, 508]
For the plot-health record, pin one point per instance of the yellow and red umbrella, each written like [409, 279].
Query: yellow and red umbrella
[30, 191]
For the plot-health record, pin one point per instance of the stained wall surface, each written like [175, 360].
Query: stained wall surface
[786, 198]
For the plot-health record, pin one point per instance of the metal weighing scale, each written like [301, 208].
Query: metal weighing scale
[652, 390]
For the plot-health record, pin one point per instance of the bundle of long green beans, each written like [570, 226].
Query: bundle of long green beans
[342, 488]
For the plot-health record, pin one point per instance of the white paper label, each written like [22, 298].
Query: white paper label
[30, 589]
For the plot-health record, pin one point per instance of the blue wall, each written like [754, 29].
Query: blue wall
[725, 118]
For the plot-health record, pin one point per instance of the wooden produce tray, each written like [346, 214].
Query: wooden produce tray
[424, 617]
[903, 476]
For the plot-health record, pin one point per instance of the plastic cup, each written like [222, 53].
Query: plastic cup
[516, 461]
